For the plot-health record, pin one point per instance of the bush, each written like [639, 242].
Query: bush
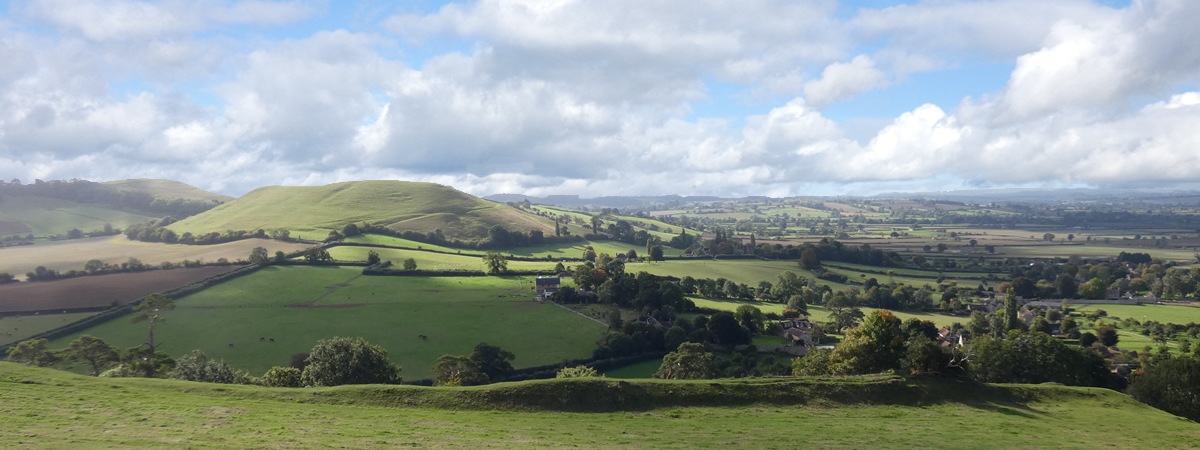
[196, 366]
[282, 377]
[341, 360]
[578, 372]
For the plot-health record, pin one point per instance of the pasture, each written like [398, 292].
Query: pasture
[572, 250]
[53, 409]
[299, 305]
[19, 328]
[818, 313]
[72, 254]
[644, 369]
[1176, 314]
[748, 271]
[98, 291]
[431, 260]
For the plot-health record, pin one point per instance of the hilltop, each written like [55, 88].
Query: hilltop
[399, 205]
[168, 189]
[53, 409]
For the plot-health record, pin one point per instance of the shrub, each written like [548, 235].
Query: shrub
[196, 366]
[578, 372]
[282, 377]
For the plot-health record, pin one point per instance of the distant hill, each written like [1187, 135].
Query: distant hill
[399, 205]
[574, 201]
[1048, 195]
[166, 189]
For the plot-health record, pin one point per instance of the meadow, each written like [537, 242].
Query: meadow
[73, 254]
[298, 305]
[19, 328]
[748, 271]
[564, 250]
[431, 260]
[52, 409]
[1176, 314]
[820, 313]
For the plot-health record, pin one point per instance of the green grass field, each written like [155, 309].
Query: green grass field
[819, 313]
[52, 409]
[748, 271]
[430, 260]
[19, 328]
[644, 369]
[1064, 251]
[456, 313]
[1176, 314]
[51, 216]
[567, 250]
[400, 205]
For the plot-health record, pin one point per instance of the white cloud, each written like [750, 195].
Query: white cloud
[130, 19]
[840, 81]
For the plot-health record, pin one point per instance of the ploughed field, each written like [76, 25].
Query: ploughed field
[298, 305]
[97, 291]
[52, 409]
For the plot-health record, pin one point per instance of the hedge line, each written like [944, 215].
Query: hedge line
[427, 250]
[117, 311]
[451, 273]
[551, 370]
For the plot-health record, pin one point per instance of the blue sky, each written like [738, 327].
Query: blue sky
[762, 97]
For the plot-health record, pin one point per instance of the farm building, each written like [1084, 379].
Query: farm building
[545, 287]
[799, 332]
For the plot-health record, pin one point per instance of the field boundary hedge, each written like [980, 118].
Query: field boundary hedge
[429, 250]
[117, 311]
[551, 370]
[452, 273]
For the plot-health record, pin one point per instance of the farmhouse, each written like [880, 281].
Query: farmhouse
[797, 331]
[545, 287]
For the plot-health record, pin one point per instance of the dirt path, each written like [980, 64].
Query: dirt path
[328, 290]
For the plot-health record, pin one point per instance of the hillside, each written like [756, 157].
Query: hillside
[53, 409]
[400, 205]
[46, 216]
[166, 189]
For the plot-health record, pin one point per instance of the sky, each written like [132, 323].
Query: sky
[619, 97]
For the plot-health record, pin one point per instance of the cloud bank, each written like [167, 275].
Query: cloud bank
[597, 98]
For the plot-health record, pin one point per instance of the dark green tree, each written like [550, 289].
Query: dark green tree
[151, 310]
[493, 361]
[495, 263]
[1171, 386]
[688, 362]
[94, 352]
[342, 360]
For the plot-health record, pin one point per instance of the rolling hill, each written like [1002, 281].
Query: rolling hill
[399, 205]
[166, 189]
[45, 216]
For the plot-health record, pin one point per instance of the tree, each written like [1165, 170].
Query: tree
[317, 255]
[656, 253]
[196, 366]
[1011, 307]
[282, 377]
[373, 257]
[151, 311]
[280, 256]
[843, 318]
[990, 248]
[142, 362]
[603, 259]
[1025, 357]
[495, 262]
[809, 260]
[875, 346]
[1048, 237]
[1095, 289]
[93, 351]
[726, 330]
[688, 362]
[1108, 336]
[1066, 286]
[259, 256]
[1087, 339]
[351, 230]
[457, 371]
[978, 326]
[1171, 386]
[578, 372]
[34, 352]
[674, 336]
[334, 236]
[93, 266]
[342, 360]
[493, 361]
[750, 318]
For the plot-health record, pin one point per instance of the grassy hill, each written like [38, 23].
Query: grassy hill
[53, 409]
[44, 216]
[400, 205]
[166, 189]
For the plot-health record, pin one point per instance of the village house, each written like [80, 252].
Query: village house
[797, 331]
[545, 287]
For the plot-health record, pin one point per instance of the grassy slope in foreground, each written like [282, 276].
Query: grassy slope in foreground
[166, 189]
[400, 205]
[52, 409]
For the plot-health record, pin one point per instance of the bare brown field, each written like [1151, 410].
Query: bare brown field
[97, 291]
[68, 255]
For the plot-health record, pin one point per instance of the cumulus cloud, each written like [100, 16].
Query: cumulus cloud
[130, 19]
[596, 98]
